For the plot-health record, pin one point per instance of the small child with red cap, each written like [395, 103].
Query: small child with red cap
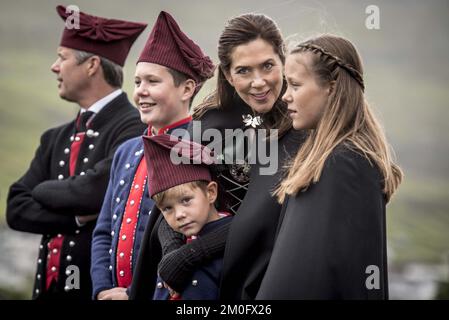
[183, 189]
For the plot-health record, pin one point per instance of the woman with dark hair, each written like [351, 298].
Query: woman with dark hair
[249, 86]
[250, 48]
[248, 96]
[250, 74]
[331, 242]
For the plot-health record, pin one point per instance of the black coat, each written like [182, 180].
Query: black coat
[252, 234]
[46, 200]
[330, 234]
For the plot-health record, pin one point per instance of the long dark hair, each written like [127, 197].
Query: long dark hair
[241, 30]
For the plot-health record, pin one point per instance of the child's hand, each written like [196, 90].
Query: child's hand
[173, 293]
[113, 294]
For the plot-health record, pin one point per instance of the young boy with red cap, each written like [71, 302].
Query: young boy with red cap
[185, 193]
[62, 192]
[170, 71]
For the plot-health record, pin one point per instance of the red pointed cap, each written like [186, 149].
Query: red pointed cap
[167, 45]
[108, 38]
[171, 162]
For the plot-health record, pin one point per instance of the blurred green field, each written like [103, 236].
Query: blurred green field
[406, 76]
[28, 107]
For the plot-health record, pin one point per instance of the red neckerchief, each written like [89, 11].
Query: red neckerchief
[171, 126]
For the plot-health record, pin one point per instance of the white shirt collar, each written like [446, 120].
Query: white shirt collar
[100, 104]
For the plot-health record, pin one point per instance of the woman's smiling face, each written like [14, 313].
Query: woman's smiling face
[256, 74]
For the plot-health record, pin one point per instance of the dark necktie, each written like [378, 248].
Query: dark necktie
[82, 121]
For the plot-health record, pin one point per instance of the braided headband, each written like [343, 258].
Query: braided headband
[346, 66]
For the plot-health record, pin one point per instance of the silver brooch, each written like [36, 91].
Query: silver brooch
[249, 120]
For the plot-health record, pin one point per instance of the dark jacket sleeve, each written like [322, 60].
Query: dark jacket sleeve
[177, 267]
[23, 212]
[73, 196]
[170, 239]
[332, 236]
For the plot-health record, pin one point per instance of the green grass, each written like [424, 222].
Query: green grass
[29, 105]
[418, 221]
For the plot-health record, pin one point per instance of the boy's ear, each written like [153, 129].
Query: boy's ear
[212, 192]
[189, 89]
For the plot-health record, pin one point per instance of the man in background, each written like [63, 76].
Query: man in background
[61, 194]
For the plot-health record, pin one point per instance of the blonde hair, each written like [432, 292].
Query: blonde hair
[347, 119]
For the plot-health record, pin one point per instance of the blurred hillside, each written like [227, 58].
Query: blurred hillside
[406, 76]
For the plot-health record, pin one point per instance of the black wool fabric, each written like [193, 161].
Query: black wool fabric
[177, 267]
[330, 235]
[170, 239]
